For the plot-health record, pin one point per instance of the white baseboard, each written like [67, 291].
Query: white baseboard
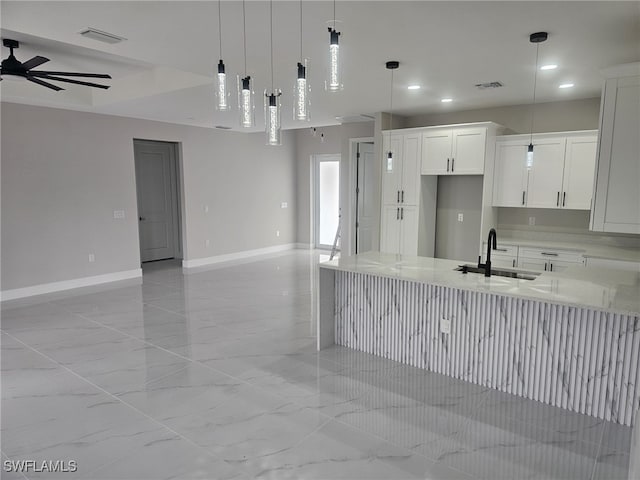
[305, 246]
[44, 288]
[230, 257]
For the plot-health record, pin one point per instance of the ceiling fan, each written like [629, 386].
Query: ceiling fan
[12, 66]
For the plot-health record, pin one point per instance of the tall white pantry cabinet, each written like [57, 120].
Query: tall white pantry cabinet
[409, 180]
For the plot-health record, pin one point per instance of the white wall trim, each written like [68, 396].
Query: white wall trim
[44, 288]
[229, 257]
[304, 246]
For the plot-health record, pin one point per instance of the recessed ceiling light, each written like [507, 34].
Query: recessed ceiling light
[548, 67]
[446, 100]
[413, 87]
[566, 85]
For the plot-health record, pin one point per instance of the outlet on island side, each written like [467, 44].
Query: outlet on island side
[92, 257]
[532, 221]
[445, 326]
[277, 233]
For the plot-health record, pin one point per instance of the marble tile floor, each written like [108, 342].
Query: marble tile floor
[214, 375]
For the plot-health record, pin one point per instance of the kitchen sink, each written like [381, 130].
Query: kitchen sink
[521, 274]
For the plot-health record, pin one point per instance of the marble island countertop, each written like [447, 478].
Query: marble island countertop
[616, 291]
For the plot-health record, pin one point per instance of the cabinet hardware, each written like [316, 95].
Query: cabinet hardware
[447, 164]
[452, 163]
[564, 198]
[398, 213]
[545, 266]
[514, 263]
[549, 254]
[402, 213]
[550, 267]
[558, 200]
[402, 198]
[500, 249]
[523, 197]
[398, 192]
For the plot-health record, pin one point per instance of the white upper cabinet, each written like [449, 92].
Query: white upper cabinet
[391, 170]
[410, 185]
[457, 151]
[616, 206]
[401, 175]
[560, 176]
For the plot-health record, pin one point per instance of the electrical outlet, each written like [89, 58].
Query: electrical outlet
[445, 326]
[92, 258]
[207, 242]
[277, 233]
[461, 217]
[532, 221]
[119, 214]
[284, 205]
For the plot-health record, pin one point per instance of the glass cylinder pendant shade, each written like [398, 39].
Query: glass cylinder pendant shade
[302, 90]
[530, 156]
[222, 92]
[245, 102]
[389, 165]
[272, 109]
[334, 82]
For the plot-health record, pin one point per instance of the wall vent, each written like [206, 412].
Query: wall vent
[484, 86]
[99, 35]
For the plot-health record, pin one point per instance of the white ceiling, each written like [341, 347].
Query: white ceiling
[164, 70]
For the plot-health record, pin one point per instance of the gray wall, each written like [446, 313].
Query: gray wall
[64, 172]
[548, 117]
[336, 141]
[458, 194]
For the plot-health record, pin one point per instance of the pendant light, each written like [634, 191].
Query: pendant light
[536, 38]
[333, 83]
[301, 103]
[245, 91]
[391, 65]
[272, 104]
[222, 93]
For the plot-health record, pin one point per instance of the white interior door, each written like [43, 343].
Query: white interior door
[327, 199]
[155, 165]
[365, 200]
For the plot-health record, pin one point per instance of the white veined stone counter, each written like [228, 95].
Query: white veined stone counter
[569, 339]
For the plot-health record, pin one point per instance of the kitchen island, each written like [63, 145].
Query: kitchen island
[569, 339]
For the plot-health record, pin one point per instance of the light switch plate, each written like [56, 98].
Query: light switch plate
[460, 217]
[284, 205]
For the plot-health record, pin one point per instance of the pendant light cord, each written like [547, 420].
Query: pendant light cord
[220, 27]
[301, 57]
[391, 108]
[334, 14]
[271, 22]
[533, 105]
[244, 35]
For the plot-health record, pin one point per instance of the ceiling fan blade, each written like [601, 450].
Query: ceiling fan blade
[70, 74]
[34, 62]
[45, 84]
[76, 82]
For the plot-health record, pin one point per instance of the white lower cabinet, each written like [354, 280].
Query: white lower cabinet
[399, 230]
[505, 256]
[548, 260]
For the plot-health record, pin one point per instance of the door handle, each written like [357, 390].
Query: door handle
[402, 201]
[514, 263]
[398, 196]
[447, 164]
[523, 197]
[453, 160]
[549, 254]
[402, 213]
[558, 200]
[564, 198]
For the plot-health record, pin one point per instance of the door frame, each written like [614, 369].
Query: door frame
[349, 220]
[177, 196]
[315, 196]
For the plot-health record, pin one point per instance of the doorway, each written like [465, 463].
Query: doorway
[365, 197]
[158, 195]
[327, 199]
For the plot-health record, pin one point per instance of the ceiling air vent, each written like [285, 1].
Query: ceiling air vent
[484, 86]
[95, 34]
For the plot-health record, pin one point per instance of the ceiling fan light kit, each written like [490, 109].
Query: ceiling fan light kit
[12, 67]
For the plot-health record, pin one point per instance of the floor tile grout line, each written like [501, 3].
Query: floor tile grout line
[120, 400]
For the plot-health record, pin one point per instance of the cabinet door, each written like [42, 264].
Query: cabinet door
[559, 265]
[391, 171]
[532, 264]
[510, 176]
[545, 175]
[467, 157]
[436, 152]
[409, 230]
[410, 185]
[579, 171]
[390, 229]
[500, 261]
[617, 193]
